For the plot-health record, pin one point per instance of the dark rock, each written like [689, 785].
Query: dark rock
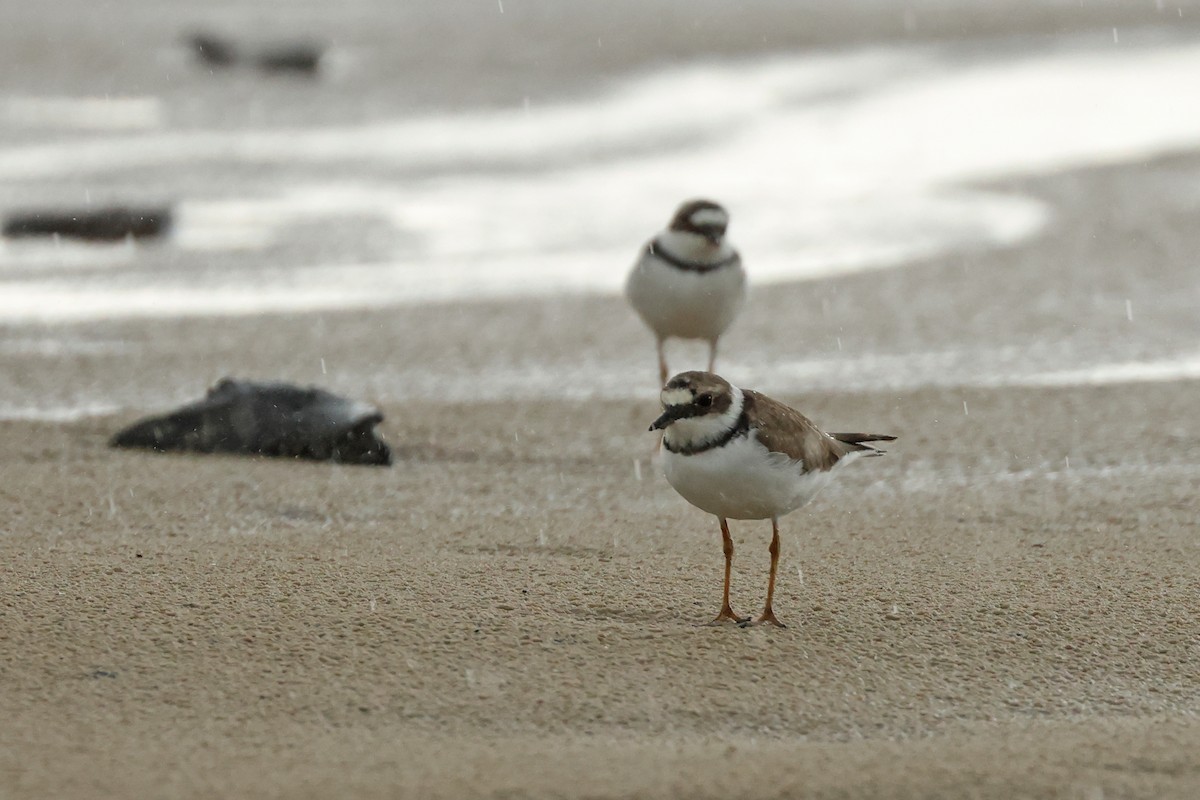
[270, 419]
[212, 49]
[97, 224]
[303, 58]
[217, 51]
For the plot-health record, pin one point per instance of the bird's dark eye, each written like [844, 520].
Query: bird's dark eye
[704, 400]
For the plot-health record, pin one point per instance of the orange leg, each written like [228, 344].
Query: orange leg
[768, 614]
[726, 609]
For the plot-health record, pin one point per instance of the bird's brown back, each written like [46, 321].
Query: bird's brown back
[783, 429]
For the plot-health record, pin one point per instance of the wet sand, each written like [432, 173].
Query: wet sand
[1004, 606]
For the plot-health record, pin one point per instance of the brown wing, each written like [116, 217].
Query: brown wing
[785, 430]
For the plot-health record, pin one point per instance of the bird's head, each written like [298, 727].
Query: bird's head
[696, 399]
[702, 218]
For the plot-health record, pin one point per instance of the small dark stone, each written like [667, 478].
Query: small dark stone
[221, 52]
[270, 419]
[96, 224]
[302, 58]
[101, 673]
[212, 49]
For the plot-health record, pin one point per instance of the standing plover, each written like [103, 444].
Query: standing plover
[688, 281]
[739, 454]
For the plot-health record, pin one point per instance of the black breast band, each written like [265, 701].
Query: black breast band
[660, 252]
[740, 428]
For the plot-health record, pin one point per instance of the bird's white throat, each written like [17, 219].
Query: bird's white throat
[688, 246]
[695, 432]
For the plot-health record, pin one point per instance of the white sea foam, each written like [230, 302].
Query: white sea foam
[1008, 366]
[591, 379]
[82, 113]
[586, 379]
[73, 301]
[57, 346]
[30, 255]
[71, 413]
[672, 106]
[1185, 366]
[828, 164]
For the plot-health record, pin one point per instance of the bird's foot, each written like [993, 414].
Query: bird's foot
[727, 615]
[766, 618]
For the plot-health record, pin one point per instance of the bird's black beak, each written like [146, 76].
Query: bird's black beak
[714, 235]
[669, 415]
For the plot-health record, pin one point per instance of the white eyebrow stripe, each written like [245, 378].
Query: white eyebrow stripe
[709, 216]
[676, 397]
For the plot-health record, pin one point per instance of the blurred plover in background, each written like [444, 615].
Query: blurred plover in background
[688, 281]
[739, 454]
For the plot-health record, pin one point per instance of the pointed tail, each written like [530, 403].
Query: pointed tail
[857, 441]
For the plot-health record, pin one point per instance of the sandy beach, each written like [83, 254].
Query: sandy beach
[1005, 606]
[189, 627]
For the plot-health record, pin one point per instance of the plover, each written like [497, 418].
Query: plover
[738, 454]
[688, 281]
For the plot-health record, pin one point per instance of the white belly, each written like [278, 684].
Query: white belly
[688, 305]
[742, 480]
